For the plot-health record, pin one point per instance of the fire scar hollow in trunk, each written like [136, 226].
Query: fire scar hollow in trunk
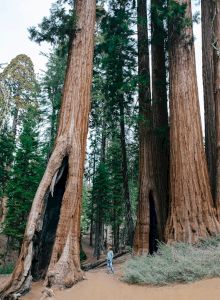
[50, 247]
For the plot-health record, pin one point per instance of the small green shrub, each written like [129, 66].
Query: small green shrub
[6, 269]
[177, 263]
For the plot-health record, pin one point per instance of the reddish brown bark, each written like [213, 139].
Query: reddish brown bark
[63, 176]
[216, 55]
[159, 108]
[208, 87]
[191, 213]
[147, 187]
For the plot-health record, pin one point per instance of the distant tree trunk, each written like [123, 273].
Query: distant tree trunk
[92, 208]
[116, 229]
[99, 221]
[191, 214]
[216, 50]
[51, 243]
[147, 186]
[98, 232]
[91, 226]
[160, 110]
[208, 12]
[128, 209]
[3, 210]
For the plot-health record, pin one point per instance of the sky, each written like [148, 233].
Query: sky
[17, 15]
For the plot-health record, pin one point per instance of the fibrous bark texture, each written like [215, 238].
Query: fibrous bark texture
[159, 108]
[208, 86]
[147, 188]
[191, 213]
[60, 190]
[216, 54]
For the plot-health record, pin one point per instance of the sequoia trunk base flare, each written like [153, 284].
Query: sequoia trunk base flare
[144, 239]
[51, 250]
[216, 55]
[191, 209]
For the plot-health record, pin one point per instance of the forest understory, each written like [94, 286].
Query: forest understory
[105, 151]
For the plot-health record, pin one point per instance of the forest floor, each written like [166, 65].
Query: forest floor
[102, 286]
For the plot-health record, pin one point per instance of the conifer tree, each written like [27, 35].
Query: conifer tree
[58, 197]
[7, 146]
[191, 212]
[116, 202]
[100, 195]
[118, 64]
[25, 176]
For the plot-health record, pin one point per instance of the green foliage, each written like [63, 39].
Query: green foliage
[177, 20]
[58, 28]
[100, 192]
[178, 263]
[117, 52]
[25, 177]
[7, 146]
[116, 204]
[6, 269]
[18, 91]
[85, 212]
[114, 86]
[52, 82]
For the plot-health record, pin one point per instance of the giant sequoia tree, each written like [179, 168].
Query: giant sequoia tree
[216, 88]
[208, 12]
[147, 189]
[211, 82]
[50, 247]
[191, 213]
[159, 106]
[153, 162]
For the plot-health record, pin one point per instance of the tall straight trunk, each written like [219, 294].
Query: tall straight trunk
[216, 49]
[99, 221]
[50, 247]
[208, 12]
[92, 207]
[116, 229]
[99, 242]
[159, 108]
[128, 213]
[91, 225]
[191, 214]
[147, 186]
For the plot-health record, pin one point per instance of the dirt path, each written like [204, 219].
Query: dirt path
[101, 286]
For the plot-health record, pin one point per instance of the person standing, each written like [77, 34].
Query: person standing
[110, 255]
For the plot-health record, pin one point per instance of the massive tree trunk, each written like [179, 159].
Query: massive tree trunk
[208, 86]
[159, 107]
[216, 48]
[191, 213]
[145, 234]
[50, 248]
